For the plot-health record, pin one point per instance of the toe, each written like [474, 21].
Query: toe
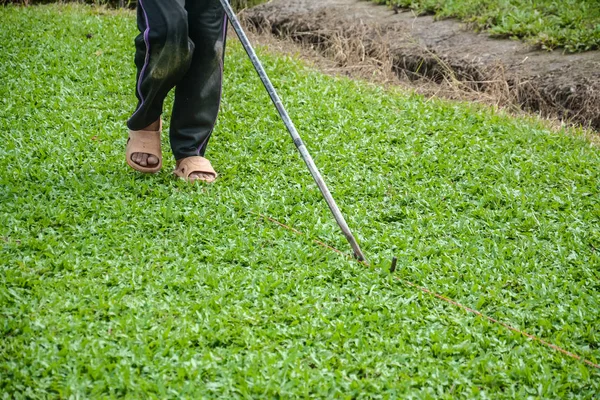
[135, 157]
[199, 176]
[143, 160]
[152, 160]
[207, 177]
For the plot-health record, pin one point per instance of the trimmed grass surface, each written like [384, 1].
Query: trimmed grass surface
[115, 284]
[571, 24]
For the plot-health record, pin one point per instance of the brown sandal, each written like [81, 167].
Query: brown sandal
[189, 165]
[144, 142]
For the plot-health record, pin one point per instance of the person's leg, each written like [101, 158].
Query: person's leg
[198, 94]
[163, 56]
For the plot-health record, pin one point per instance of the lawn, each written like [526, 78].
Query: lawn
[116, 284]
[570, 24]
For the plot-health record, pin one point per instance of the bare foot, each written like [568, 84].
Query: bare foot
[197, 176]
[144, 159]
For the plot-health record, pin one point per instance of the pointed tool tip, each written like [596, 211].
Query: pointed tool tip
[359, 257]
[393, 266]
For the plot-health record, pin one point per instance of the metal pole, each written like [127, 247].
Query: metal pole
[292, 130]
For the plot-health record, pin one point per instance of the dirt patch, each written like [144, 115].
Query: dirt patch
[419, 50]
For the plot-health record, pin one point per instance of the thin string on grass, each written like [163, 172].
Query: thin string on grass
[444, 298]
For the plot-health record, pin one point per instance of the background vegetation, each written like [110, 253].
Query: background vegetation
[571, 24]
[237, 4]
[116, 284]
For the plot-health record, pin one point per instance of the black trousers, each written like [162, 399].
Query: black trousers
[181, 45]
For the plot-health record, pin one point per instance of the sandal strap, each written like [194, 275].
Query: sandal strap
[144, 142]
[189, 165]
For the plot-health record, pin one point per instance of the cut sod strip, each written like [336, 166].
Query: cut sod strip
[570, 24]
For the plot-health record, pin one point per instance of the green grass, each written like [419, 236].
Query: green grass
[571, 24]
[115, 284]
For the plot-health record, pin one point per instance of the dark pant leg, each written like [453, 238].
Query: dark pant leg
[198, 94]
[163, 56]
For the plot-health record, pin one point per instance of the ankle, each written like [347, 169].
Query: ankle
[155, 126]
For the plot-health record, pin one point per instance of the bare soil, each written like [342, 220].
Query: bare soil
[425, 52]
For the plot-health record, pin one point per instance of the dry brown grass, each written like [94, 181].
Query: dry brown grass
[363, 52]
